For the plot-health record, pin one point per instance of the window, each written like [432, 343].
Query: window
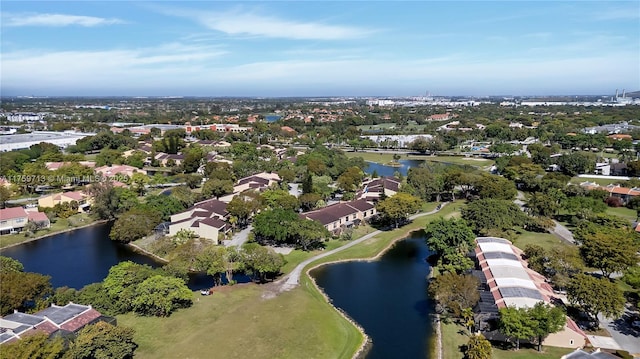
[19, 220]
[571, 342]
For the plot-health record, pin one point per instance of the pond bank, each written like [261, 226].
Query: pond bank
[66, 230]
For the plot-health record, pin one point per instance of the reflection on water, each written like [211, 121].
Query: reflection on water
[388, 298]
[390, 170]
[75, 259]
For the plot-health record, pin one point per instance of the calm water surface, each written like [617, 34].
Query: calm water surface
[388, 298]
[84, 256]
[390, 170]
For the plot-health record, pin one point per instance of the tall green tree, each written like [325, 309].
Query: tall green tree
[455, 292]
[262, 262]
[35, 346]
[160, 296]
[451, 240]
[217, 188]
[515, 323]
[399, 207]
[595, 296]
[545, 320]
[8, 264]
[478, 347]
[134, 224]
[611, 250]
[22, 290]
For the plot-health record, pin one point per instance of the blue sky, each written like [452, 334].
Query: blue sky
[309, 48]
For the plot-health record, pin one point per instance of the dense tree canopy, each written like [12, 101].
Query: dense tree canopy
[399, 207]
[455, 292]
[610, 250]
[161, 295]
[451, 240]
[487, 214]
[22, 290]
[134, 224]
[596, 296]
[102, 340]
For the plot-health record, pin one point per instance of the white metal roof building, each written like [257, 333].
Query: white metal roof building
[26, 140]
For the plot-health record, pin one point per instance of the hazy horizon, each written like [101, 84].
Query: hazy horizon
[319, 49]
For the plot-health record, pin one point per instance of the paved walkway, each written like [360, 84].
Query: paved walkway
[239, 238]
[293, 279]
[559, 230]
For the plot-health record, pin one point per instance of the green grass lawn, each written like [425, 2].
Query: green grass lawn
[600, 181]
[545, 240]
[453, 337]
[375, 245]
[623, 212]
[237, 322]
[61, 224]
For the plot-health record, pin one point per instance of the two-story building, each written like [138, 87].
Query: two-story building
[13, 220]
[207, 219]
[339, 216]
[373, 189]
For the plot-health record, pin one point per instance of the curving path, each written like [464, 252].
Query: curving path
[292, 280]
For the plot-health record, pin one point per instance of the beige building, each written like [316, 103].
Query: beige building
[207, 219]
[83, 200]
[13, 220]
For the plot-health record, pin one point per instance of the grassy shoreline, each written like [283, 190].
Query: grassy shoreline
[9, 241]
[254, 321]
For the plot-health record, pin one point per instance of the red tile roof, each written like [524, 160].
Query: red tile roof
[12, 213]
[81, 320]
[37, 216]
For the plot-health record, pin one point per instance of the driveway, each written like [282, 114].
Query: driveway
[239, 238]
[622, 332]
[559, 230]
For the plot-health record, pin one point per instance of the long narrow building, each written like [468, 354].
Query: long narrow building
[507, 281]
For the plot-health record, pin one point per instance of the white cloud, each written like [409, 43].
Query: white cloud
[56, 20]
[247, 23]
[200, 70]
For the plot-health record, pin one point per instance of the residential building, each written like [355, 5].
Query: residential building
[118, 171]
[53, 166]
[257, 182]
[625, 194]
[207, 219]
[56, 320]
[373, 189]
[582, 354]
[13, 220]
[507, 281]
[39, 218]
[339, 216]
[51, 200]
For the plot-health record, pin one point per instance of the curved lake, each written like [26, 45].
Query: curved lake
[388, 298]
[84, 256]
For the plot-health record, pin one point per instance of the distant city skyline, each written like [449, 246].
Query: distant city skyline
[306, 48]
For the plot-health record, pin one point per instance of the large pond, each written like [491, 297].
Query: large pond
[384, 170]
[77, 258]
[388, 298]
